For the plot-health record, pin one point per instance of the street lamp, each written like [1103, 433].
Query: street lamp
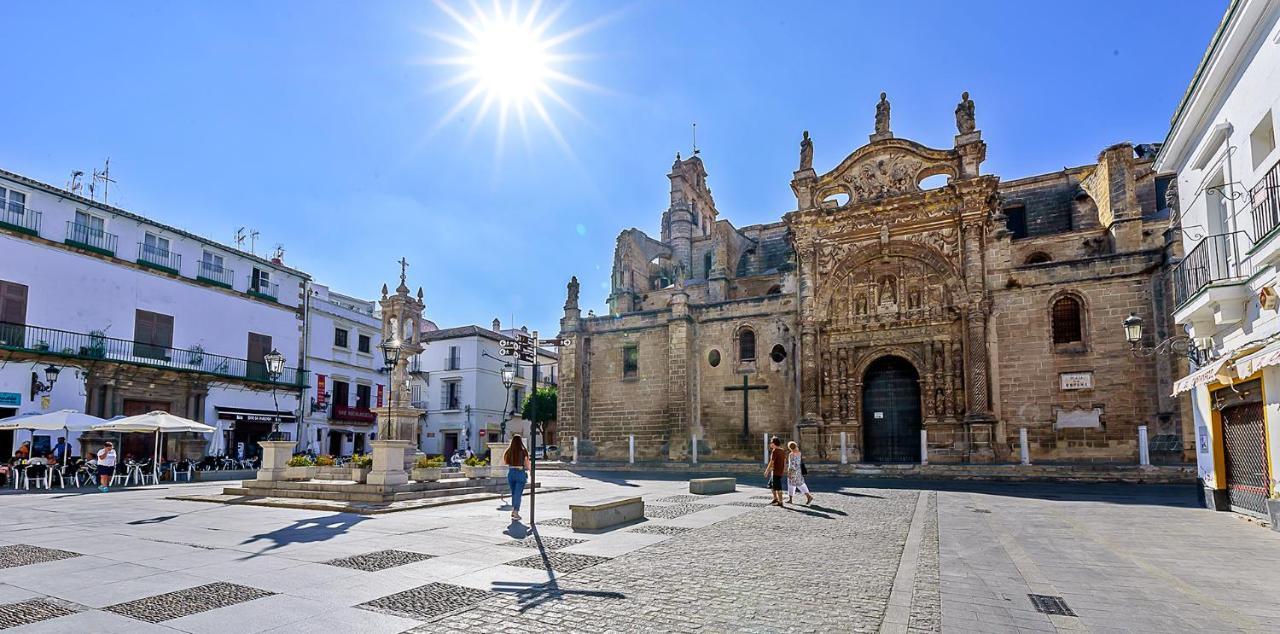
[1177, 344]
[50, 376]
[390, 358]
[275, 367]
[508, 379]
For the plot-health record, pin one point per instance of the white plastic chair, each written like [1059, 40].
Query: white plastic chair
[122, 474]
[43, 477]
[182, 468]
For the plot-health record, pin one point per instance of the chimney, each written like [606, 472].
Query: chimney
[497, 325]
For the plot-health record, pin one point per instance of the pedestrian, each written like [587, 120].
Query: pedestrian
[106, 465]
[795, 474]
[776, 468]
[517, 460]
[60, 449]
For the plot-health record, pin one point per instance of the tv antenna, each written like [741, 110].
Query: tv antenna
[253, 241]
[105, 177]
[278, 254]
[695, 139]
[240, 239]
[74, 184]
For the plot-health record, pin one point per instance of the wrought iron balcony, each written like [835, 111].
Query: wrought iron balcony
[87, 237]
[159, 258]
[20, 218]
[1215, 259]
[95, 346]
[268, 290]
[1265, 197]
[216, 275]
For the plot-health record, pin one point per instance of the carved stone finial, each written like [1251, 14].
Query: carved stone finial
[806, 152]
[419, 293]
[571, 299]
[964, 114]
[882, 115]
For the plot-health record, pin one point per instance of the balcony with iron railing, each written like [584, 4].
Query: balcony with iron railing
[1215, 260]
[265, 290]
[19, 217]
[1265, 199]
[159, 258]
[95, 346]
[90, 238]
[215, 274]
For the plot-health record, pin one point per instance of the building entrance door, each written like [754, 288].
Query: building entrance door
[139, 446]
[335, 442]
[450, 443]
[1244, 451]
[891, 411]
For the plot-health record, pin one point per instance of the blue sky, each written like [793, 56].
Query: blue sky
[317, 123]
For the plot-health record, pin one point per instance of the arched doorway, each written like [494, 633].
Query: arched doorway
[891, 411]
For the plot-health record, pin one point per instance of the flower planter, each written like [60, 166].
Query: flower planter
[299, 473]
[475, 472]
[359, 475]
[427, 474]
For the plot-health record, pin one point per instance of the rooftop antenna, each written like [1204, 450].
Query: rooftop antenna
[278, 254]
[253, 241]
[695, 139]
[75, 185]
[240, 239]
[105, 177]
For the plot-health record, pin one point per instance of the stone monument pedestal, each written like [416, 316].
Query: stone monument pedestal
[275, 458]
[388, 462]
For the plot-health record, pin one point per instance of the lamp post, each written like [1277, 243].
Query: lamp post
[508, 379]
[275, 367]
[391, 358]
[50, 376]
[1177, 344]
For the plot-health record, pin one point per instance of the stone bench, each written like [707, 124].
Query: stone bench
[605, 513]
[713, 486]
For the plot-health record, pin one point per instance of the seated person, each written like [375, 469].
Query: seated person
[23, 452]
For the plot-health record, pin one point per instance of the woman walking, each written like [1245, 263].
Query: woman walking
[106, 465]
[795, 474]
[517, 460]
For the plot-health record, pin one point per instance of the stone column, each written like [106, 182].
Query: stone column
[388, 462]
[809, 372]
[976, 327]
[275, 457]
[678, 351]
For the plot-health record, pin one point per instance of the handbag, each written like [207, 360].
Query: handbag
[804, 471]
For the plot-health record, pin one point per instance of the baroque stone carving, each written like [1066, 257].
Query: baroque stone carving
[964, 114]
[571, 302]
[884, 176]
[882, 115]
[806, 152]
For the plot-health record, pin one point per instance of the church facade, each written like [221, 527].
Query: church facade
[893, 314]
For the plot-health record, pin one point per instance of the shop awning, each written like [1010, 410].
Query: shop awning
[1269, 355]
[1207, 374]
[240, 414]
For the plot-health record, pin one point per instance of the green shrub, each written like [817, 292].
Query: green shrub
[359, 461]
[301, 461]
[433, 462]
[325, 461]
[476, 461]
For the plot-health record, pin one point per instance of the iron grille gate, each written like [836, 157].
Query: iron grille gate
[1245, 454]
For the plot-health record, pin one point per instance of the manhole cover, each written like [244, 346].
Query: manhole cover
[1050, 604]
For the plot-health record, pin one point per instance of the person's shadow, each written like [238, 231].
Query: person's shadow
[317, 529]
[517, 530]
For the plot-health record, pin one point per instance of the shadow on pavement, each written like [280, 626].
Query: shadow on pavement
[532, 595]
[316, 529]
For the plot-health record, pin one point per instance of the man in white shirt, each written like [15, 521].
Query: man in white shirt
[106, 465]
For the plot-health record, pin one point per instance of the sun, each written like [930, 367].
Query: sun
[513, 61]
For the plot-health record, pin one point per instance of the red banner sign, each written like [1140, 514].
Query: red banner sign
[379, 395]
[320, 395]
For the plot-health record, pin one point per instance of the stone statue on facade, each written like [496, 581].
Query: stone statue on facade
[571, 301]
[964, 114]
[882, 115]
[1171, 198]
[806, 152]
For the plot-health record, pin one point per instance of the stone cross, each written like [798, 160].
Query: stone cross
[404, 264]
[745, 388]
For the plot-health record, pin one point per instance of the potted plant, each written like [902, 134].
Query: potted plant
[195, 355]
[475, 467]
[428, 469]
[42, 346]
[97, 347]
[300, 467]
[360, 466]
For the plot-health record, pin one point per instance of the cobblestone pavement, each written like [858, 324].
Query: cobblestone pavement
[867, 556]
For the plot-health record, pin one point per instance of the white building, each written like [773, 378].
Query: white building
[1222, 145]
[458, 382]
[347, 375]
[140, 316]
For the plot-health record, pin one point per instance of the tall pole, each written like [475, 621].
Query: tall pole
[533, 434]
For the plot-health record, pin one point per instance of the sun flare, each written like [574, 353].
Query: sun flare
[512, 63]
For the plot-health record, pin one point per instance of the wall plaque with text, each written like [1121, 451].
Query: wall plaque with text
[1076, 380]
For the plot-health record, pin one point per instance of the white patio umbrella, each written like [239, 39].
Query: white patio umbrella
[158, 422]
[67, 420]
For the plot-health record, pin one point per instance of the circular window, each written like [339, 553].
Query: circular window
[778, 353]
[713, 358]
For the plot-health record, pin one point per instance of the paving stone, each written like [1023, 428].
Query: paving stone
[684, 499]
[428, 602]
[172, 605]
[378, 560]
[659, 529]
[674, 510]
[557, 521]
[926, 603]
[26, 555]
[748, 503]
[560, 562]
[544, 542]
[34, 611]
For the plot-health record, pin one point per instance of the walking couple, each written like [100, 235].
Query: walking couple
[786, 463]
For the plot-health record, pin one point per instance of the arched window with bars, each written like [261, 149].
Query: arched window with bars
[1068, 320]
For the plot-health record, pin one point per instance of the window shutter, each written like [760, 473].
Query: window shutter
[13, 303]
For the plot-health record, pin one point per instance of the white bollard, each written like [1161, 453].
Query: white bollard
[924, 447]
[766, 448]
[693, 446]
[631, 451]
[1022, 444]
[1144, 451]
[844, 448]
[575, 450]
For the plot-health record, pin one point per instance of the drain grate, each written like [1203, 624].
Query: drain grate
[1050, 604]
[980, 510]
